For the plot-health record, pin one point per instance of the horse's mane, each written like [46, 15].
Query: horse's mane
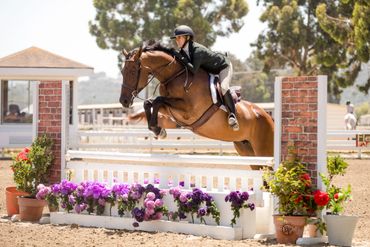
[157, 46]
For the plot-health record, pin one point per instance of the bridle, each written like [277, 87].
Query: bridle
[138, 66]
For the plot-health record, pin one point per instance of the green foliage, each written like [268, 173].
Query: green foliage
[295, 39]
[362, 109]
[287, 185]
[125, 24]
[31, 166]
[348, 23]
[336, 166]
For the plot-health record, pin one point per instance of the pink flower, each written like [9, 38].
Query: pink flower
[183, 197]
[158, 216]
[158, 203]
[150, 204]
[150, 196]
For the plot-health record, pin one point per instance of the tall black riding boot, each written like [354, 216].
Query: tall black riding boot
[229, 103]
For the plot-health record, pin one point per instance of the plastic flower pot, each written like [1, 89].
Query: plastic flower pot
[11, 194]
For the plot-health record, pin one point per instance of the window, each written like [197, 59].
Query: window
[16, 101]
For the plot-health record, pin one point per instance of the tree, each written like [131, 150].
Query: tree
[256, 86]
[127, 23]
[348, 23]
[294, 39]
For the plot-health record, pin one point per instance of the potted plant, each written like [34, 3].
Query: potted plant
[340, 228]
[11, 192]
[31, 171]
[297, 198]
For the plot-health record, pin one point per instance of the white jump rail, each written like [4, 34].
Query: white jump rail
[186, 141]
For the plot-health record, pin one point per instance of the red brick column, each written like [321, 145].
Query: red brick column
[50, 121]
[299, 111]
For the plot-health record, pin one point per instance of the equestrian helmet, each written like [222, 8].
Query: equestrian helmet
[183, 30]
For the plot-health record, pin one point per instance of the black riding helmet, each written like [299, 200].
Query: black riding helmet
[183, 30]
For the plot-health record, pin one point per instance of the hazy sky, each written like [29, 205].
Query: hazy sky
[61, 27]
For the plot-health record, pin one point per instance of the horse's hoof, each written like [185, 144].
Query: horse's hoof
[162, 134]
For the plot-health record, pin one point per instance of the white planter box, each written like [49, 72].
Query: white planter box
[218, 232]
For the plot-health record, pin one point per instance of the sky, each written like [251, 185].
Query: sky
[61, 27]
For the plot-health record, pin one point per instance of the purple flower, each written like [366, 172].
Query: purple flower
[71, 199]
[245, 196]
[182, 183]
[138, 214]
[156, 180]
[202, 212]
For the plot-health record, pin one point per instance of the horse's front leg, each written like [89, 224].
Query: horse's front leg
[157, 103]
[148, 104]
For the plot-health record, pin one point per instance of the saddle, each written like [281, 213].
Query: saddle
[216, 92]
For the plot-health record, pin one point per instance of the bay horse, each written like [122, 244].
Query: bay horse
[186, 99]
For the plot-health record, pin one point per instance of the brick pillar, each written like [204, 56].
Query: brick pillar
[299, 119]
[50, 121]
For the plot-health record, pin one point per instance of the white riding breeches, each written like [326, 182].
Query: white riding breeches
[225, 78]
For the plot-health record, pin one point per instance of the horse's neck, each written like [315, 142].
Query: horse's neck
[161, 63]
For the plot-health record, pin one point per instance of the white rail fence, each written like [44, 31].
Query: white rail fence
[217, 175]
[181, 140]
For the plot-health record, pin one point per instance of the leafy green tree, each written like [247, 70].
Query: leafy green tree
[295, 40]
[348, 23]
[256, 86]
[127, 23]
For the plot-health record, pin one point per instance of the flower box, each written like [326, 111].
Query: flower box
[217, 232]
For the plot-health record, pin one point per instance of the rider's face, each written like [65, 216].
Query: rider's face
[180, 41]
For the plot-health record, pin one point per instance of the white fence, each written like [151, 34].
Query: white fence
[217, 175]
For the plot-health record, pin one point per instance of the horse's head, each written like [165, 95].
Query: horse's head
[138, 67]
[133, 80]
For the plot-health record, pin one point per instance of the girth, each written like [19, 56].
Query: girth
[203, 119]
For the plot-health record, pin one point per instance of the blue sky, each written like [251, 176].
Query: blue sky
[61, 27]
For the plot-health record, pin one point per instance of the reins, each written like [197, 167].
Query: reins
[166, 81]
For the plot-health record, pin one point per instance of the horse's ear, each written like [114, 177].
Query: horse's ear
[138, 53]
[125, 53]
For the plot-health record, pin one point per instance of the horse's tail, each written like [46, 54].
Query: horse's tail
[136, 116]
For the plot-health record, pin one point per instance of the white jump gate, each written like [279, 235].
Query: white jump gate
[217, 175]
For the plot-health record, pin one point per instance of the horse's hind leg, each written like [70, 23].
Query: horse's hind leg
[244, 148]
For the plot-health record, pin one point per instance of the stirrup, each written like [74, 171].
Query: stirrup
[233, 122]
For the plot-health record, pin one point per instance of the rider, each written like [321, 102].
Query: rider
[350, 107]
[198, 56]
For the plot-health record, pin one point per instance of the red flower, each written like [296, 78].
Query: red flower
[23, 155]
[298, 199]
[321, 198]
[307, 179]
